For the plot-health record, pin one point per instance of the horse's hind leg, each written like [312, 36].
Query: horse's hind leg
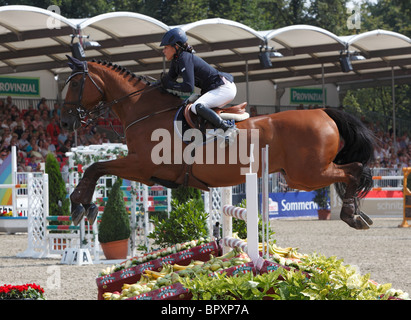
[349, 174]
[350, 212]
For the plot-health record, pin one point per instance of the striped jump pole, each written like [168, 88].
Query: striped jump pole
[380, 178]
[250, 215]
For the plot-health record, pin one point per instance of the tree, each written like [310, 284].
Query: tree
[59, 204]
[115, 222]
[331, 15]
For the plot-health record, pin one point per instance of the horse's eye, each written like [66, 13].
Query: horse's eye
[74, 84]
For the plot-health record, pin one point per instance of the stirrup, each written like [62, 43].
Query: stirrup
[229, 137]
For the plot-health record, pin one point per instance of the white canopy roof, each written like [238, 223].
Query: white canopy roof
[37, 39]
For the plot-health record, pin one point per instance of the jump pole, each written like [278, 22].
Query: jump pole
[265, 200]
[407, 199]
[250, 215]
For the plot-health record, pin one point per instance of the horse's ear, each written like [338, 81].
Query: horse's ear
[74, 63]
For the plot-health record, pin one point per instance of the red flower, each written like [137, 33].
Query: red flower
[25, 291]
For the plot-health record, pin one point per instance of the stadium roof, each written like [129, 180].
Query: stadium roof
[36, 39]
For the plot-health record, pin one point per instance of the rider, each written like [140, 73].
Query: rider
[217, 88]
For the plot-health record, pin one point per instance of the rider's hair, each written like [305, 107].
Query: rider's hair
[185, 47]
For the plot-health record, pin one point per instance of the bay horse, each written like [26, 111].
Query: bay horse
[311, 148]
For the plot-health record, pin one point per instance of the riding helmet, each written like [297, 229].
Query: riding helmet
[173, 36]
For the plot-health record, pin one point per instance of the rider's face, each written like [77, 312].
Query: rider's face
[169, 52]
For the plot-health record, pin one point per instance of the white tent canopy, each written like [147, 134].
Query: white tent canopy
[34, 39]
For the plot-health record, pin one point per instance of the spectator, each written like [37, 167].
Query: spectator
[9, 103]
[19, 129]
[53, 130]
[44, 119]
[37, 121]
[36, 155]
[44, 148]
[61, 152]
[50, 146]
[55, 111]
[253, 112]
[24, 143]
[3, 156]
[6, 138]
[42, 105]
[62, 137]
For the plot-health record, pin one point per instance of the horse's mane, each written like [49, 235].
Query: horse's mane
[141, 78]
[120, 70]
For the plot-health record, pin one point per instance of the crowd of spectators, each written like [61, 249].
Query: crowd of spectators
[36, 131]
[389, 153]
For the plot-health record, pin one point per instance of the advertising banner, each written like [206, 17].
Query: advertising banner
[292, 204]
[18, 86]
[307, 96]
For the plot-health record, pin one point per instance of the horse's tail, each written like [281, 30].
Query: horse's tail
[359, 144]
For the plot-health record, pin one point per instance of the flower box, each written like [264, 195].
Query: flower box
[178, 292]
[21, 292]
[13, 224]
[114, 281]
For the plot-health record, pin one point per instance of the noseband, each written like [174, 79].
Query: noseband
[82, 113]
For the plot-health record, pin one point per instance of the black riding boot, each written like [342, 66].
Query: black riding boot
[211, 116]
[230, 131]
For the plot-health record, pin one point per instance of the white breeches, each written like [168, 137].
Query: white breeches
[217, 97]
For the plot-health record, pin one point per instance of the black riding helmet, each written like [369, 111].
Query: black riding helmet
[173, 36]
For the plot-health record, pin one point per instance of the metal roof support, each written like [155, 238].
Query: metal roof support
[394, 134]
[322, 83]
[247, 92]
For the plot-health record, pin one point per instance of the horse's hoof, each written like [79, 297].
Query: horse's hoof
[77, 213]
[356, 222]
[92, 213]
[366, 218]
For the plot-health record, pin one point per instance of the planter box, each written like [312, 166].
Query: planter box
[114, 281]
[13, 224]
[173, 292]
[178, 292]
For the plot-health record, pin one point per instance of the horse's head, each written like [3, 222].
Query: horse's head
[83, 94]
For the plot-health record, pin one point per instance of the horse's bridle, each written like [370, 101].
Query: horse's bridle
[82, 113]
[102, 107]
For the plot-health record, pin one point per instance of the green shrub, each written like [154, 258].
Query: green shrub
[183, 194]
[59, 203]
[188, 221]
[115, 222]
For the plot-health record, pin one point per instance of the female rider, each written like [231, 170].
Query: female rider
[217, 88]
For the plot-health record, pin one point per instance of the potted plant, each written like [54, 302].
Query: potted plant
[323, 202]
[114, 229]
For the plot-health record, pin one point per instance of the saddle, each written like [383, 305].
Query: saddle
[191, 120]
[236, 113]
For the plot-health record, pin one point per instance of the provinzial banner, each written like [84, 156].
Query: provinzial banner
[307, 95]
[16, 86]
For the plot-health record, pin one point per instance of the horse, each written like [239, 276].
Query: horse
[312, 148]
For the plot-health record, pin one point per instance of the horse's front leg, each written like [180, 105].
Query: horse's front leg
[82, 196]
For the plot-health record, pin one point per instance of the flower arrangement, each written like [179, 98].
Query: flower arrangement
[6, 213]
[25, 291]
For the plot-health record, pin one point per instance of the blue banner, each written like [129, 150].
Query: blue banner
[292, 204]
